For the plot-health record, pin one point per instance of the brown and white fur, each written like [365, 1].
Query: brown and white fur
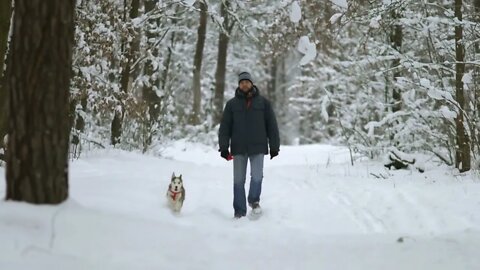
[176, 193]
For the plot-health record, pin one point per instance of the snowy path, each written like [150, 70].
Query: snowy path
[319, 213]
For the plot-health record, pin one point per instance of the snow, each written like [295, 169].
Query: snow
[340, 3]
[189, 2]
[439, 94]
[425, 83]
[308, 49]
[375, 22]
[468, 77]
[335, 17]
[324, 107]
[319, 213]
[370, 126]
[447, 113]
[402, 155]
[138, 21]
[435, 93]
[295, 12]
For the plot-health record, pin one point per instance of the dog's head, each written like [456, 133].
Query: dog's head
[176, 183]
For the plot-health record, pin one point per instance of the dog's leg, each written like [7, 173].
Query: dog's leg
[178, 206]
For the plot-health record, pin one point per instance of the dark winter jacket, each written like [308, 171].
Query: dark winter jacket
[248, 125]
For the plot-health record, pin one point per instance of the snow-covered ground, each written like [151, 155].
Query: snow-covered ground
[319, 213]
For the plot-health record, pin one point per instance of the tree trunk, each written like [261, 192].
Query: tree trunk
[221, 64]
[78, 117]
[117, 122]
[328, 26]
[151, 91]
[220, 76]
[322, 26]
[197, 64]
[462, 161]
[476, 9]
[272, 82]
[132, 49]
[476, 103]
[281, 96]
[5, 15]
[167, 62]
[396, 41]
[38, 80]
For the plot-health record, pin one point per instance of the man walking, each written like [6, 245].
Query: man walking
[249, 128]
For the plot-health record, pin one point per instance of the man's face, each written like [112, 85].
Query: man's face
[245, 85]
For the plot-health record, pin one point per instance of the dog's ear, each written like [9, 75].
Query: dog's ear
[180, 177]
[173, 175]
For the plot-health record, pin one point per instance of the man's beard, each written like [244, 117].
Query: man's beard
[248, 90]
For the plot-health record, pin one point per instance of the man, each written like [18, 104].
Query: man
[249, 128]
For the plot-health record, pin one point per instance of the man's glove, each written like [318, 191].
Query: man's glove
[273, 153]
[226, 155]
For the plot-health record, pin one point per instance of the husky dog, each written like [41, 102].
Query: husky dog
[176, 193]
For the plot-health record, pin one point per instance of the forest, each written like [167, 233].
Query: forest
[373, 75]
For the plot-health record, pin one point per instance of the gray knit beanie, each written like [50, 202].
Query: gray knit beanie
[245, 76]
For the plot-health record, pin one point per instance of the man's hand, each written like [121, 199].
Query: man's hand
[226, 155]
[273, 153]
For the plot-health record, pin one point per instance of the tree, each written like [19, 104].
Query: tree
[151, 89]
[197, 63]
[476, 101]
[462, 160]
[396, 42]
[168, 60]
[5, 15]
[37, 81]
[226, 29]
[126, 79]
